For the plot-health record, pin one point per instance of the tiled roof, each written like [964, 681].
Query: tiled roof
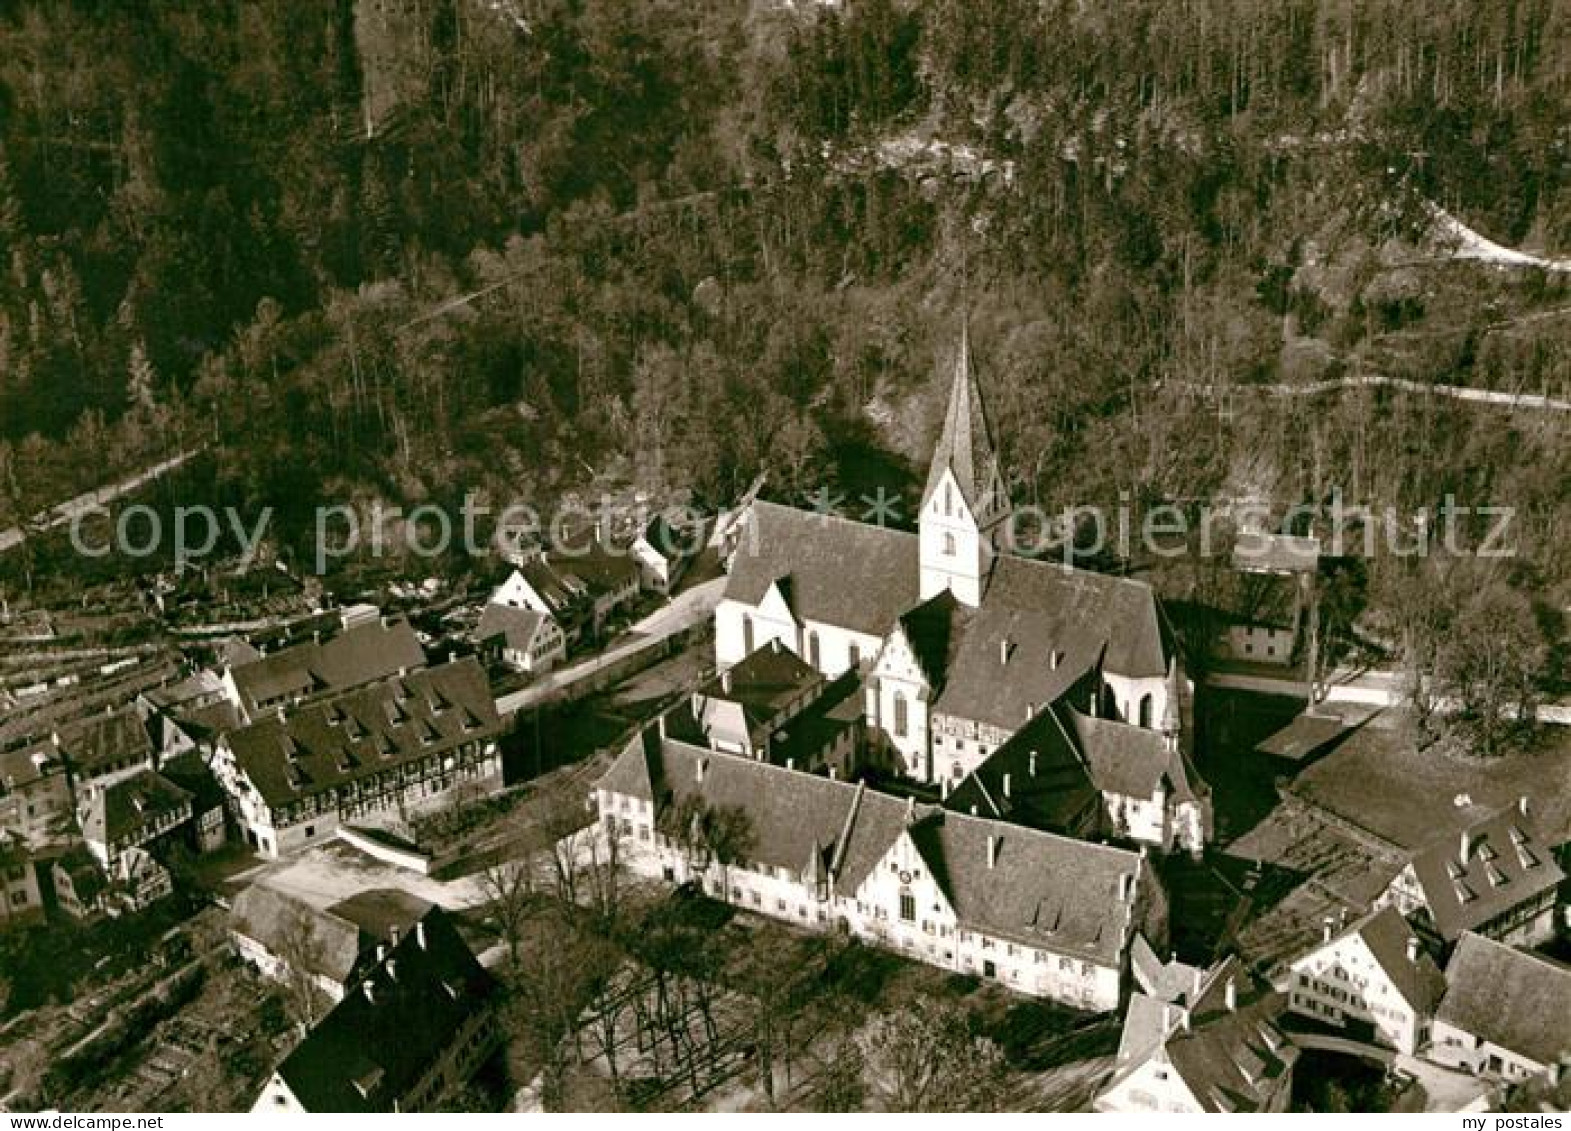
[102, 740]
[23, 765]
[1031, 886]
[1516, 1000]
[358, 655]
[764, 682]
[1129, 760]
[1504, 864]
[1306, 735]
[1387, 935]
[934, 630]
[850, 574]
[1231, 1060]
[1049, 782]
[120, 810]
[517, 627]
[366, 731]
[369, 1052]
[333, 942]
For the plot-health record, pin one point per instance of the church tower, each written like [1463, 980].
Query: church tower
[965, 504]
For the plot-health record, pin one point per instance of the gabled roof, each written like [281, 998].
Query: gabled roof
[1388, 937]
[122, 809]
[1231, 1060]
[1049, 783]
[1513, 999]
[674, 534]
[1034, 887]
[1130, 760]
[22, 766]
[1470, 877]
[764, 682]
[934, 630]
[366, 731]
[372, 1049]
[105, 739]
[517, 627]
[965, 445]
[850, 574]
[331, 943]
[361, 654]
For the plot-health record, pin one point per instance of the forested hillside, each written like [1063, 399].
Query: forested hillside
[407, 248]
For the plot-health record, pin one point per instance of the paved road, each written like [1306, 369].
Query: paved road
[688, 609]
[66, 511]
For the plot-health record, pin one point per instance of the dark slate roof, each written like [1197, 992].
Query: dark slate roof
[102, 740]
[1050, 785]
[121, 809]
[362, 654]
[571, 581]
[851, 574]
[1387, 935]
[1088, 620]
[817, 726]
[1517, 1000]
[965, 445]
[1306, 735]
[368, 1052]
[366, 731]
[21, 766]
[764, 682]
[328, 944]
[1130, 760]
[213, 719]
[1504, 865]
[1041, 889]
[933, 630]
[1231, 1060]
[675, 534]
[79, 867]
[191, 774]
[517, 627]
[1166, 981]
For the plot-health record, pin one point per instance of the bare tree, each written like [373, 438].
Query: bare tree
[925, 1057]
[302, 953]
[509, 889]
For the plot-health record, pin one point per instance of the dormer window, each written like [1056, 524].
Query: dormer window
[1496, 876]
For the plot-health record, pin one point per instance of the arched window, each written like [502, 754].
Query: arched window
[747, 634]
[812, 648]
[901, 721]
[1145, 711]
[948, 500]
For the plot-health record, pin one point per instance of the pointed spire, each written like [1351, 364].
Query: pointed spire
[965, 446]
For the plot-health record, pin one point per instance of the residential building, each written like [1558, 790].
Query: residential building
[580, 587]
[1504, 1012]
[1493, 877]
[1043, 914]
[1202, 1041]
[131, 813]
[1372, 977]
[666, 547]
[1272, 598]
[522, 638]
[208, 827]
[967, 642]
[365, 651]
[334, 947]
[104, 748]
[740, 709]
[35, 793]
[21, 901]
[407, 1038]
[79, 883]
[367, 755]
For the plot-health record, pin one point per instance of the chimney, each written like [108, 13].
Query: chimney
[1183, 1019]
[774, 645]
[834, 775]
[1006, 785]
[943, 789]
[1055, 659]
[1466, 846]
[790, 763]
[368, 990]
[1126, 886]
[698, 769]
[420, 933]
[1004, 648]
[910, 810]
[1412, 948]
[1325, 929]
[392, 969]
[394, 933]
[725, 681]
[660, 725]
[381, 951]
[1521, 805]
[1199, 984]
[1033, 763]
[992, 851]
[1231, 995]
[1030, 710]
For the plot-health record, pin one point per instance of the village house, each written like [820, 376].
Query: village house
[35, 794]
[1371, 976]
[368, 755]
[581, 589]
[665, 548]
[363, 652]
[967, 642]
[21, 901]
[208, 827]
[408, 1037]
[1043, 914]
[741, 708]
[104, 748]
[282, 936]
[522, 638]
[1493, 877]
[1504, 1012]
[1272, 597]
[1201, 1041]
[1066, 771]
[134, 812]
[84, 888]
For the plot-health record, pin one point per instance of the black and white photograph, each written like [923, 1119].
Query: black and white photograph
[785, 556]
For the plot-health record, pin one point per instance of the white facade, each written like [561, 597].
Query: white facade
[741, 628]
[1342, 981]
[955, 545]
[900, 692]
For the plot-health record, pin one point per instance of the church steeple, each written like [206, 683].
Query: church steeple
[964, 501]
